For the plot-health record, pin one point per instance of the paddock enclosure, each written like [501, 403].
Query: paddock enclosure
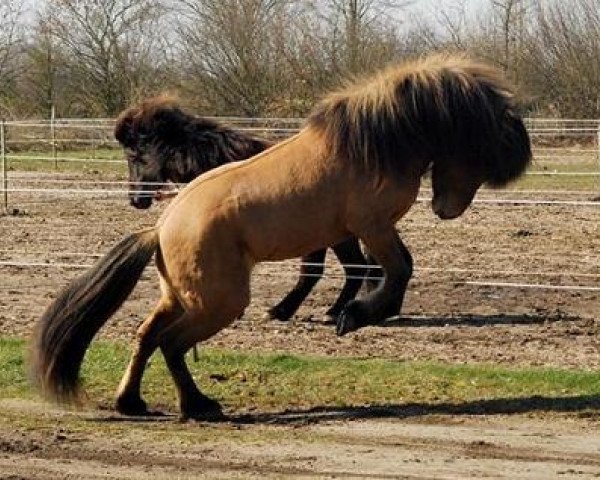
[514, 281]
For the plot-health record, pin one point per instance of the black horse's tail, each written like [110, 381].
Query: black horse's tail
[64, 332]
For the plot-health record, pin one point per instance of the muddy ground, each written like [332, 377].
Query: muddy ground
[443, 319]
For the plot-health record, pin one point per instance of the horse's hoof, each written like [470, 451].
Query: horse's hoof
[203, 409]
[132, 406]
[351, 319]
[279, 313]
[345, 323]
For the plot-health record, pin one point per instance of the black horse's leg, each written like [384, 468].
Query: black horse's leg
[386, 300]
[375, 274]
[355, 267]
[311, 271]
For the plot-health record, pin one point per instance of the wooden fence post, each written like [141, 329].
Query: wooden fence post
[3, 162]
[53, 136]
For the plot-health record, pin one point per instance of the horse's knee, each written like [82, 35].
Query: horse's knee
[238, 305]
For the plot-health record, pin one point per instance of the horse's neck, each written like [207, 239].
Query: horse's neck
[236, 146]
[208, 149]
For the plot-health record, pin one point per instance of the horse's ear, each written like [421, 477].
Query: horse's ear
[124, 128]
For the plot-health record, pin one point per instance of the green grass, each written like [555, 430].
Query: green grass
[244, 381]
[41, 161]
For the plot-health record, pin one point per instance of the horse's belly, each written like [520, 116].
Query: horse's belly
[292, 233]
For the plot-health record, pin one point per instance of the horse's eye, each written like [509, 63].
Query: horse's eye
[136, 157]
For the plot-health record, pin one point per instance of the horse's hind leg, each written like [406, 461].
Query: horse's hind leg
[355, 268]
[192, 402]
[389, 251]
[176, 340]
[311, 271]
[129, 399]
[214, 296]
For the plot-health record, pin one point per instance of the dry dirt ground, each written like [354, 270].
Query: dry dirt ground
[443, 319]
[333, 444]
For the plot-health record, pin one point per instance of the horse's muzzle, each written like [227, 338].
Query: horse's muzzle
[447, 211]
[141, 203]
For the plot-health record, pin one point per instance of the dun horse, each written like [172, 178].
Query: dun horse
[353, 170]
[164, 143]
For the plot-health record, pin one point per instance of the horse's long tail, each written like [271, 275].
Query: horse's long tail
[64, 332]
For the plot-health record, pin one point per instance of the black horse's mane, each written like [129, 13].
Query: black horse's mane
[185, 145]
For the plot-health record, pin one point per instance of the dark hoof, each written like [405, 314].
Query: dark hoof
[203, 409]
[352, 318]
[280, 313]
[132, 406]
[345, 323]
[348, 320]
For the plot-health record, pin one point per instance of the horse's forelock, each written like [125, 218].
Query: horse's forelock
[124, 127]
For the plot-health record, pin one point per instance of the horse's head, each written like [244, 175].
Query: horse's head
[148, 134]
[496, 154]
[145, 175]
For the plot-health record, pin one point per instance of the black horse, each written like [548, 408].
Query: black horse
[164, 143]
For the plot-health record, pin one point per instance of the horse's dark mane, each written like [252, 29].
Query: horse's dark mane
[186, 145]
[444, 106]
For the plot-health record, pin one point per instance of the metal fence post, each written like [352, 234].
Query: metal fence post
[3, 161]
[53, 136]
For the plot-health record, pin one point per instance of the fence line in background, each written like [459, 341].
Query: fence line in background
[280, 274]
[44, 181]
[338, 266]
[121, 192]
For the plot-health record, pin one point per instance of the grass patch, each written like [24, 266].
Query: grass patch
[71, 161]
[268, 382]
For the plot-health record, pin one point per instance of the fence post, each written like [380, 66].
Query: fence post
[3, 162]
[53, 136]
[598, 152]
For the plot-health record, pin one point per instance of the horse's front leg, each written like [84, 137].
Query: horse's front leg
[386, 300]
[311, 271]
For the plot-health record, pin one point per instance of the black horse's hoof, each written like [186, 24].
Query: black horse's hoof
[353, 317]
[280, 313]
[132, 406]
[345, 323]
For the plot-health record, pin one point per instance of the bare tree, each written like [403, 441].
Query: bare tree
[565, 57]
[363, 32]
[111, 48]
[511, 20]
[11, 37]
[231, 50]
[43, 64]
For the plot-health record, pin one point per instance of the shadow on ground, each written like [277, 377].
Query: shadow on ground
[587, 405]
[465, 320]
